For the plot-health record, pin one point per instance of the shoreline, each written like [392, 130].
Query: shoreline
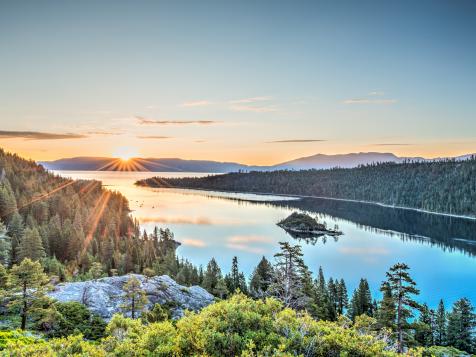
[421, 210]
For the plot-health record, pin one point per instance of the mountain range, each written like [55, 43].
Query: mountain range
[318, 161]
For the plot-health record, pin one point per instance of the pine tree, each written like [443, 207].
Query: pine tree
[290, 277]
[333, 298]
[386, 310]
[461, 325]
[135, 298]
[441, 324]
[8, 203]
[261, 278]
[402, 287]
[15, 231]
[27, 285]
[96, 271]
[322, 301]
[232, 280]
[424, 333]
[30, 246]
[342, 297]
[213, 280]
[5, 246]
[361, 302]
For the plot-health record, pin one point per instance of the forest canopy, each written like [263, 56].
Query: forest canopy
[446, 186]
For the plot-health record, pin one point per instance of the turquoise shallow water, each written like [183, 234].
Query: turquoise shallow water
[441, 251]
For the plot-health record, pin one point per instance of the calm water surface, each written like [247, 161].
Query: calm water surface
[441, 251]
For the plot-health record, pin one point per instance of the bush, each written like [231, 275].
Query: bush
[238, 326]
[74, 318]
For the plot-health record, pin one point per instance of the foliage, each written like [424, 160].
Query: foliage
[74, 318]
[135, 298]
[26, 286]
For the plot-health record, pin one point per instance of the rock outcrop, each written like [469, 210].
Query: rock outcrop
[104, 296]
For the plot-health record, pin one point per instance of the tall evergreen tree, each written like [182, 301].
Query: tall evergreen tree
[213, 280]
[8, 203]
[440, 324]
[461, 325]
[403, 288]
[425, 333]
[15, 231]
[322, 301]
[342, 297]
[27, 282]
[135, 298]
[5, 246]
[261, 278]
[30, 246]
[290, 276]
[386, 310]
[361, 302]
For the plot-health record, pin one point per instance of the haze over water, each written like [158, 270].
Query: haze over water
[441, 251]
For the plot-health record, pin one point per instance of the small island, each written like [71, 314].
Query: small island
[301, 225]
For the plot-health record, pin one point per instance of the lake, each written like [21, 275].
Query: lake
[440, 250]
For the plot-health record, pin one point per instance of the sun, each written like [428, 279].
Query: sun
[125, 153]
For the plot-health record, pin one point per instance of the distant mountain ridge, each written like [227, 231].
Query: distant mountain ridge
[318, 161]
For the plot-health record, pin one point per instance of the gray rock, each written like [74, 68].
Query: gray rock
[104, 296]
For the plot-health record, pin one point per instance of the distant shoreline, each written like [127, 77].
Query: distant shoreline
[325, 198]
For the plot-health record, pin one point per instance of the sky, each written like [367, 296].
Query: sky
[257, 82]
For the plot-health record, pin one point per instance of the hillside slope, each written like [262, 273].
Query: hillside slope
[438, 186]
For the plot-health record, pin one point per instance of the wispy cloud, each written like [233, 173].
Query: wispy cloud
[364, 251]
[196, 103]
[106, 133]
[249, 239]
[370, 101]
[37, 135]
[295, 141]
[253, 104]
[251, 100]
[197, 243]
[374, 97]
[157, 137]
[246, 248]
[147, 121]
[249, 243]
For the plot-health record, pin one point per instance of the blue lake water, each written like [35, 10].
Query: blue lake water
[440, 250]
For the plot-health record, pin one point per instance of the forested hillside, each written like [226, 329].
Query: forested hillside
[442, 186]
[69, 225]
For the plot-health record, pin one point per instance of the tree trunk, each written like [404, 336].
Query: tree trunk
[133, 307]
[399, 318]
[25, 307]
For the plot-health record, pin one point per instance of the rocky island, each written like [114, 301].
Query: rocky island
[301, 225]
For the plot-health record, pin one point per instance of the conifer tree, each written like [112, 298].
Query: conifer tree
[322, 301]
[30, 246]
[135, 298]
[27, 285]
[5, 246]
[342, 297]
[213, 280]
[386, 310]
[361, 302]
[424, 333]
[261, 278]
[440, 324]
[402, 287]
[290, 277]
[8, 203]
[15, 231]
[461, 325]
